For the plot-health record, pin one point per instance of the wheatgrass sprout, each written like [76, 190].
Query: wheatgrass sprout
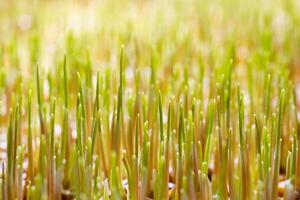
[175, 99]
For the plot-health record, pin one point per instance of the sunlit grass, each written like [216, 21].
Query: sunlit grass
[149, 99]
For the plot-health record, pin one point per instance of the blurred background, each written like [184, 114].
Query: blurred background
[33, 30]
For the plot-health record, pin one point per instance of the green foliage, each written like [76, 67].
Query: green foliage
[165, 100]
